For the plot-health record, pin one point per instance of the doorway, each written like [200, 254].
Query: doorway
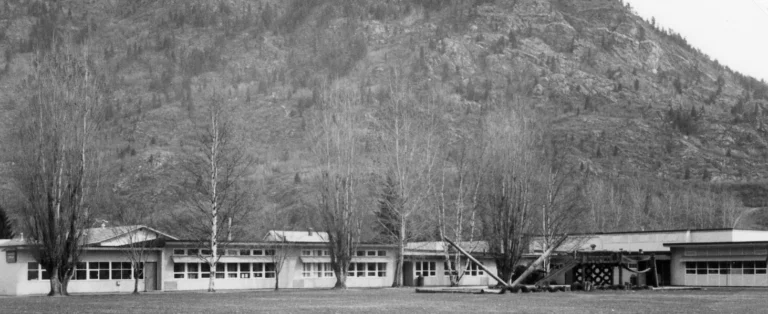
[150, 276]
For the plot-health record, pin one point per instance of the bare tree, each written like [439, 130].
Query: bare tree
[216, 167]
[279, 249]
[55, 148]
[457, 203]
[139, 243]
[509, 187]
[408, 149]
[341, 187]
[561, 206]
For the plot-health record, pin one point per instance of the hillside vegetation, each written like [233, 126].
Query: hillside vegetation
[663, 136]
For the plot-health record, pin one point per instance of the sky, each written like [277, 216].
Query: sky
[734, 32]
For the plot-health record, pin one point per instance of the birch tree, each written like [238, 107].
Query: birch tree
[214, 170]
[54, 164]
[458, 202]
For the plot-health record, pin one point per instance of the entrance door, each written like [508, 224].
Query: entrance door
[150, 276]
[665, 272]
[408, 274]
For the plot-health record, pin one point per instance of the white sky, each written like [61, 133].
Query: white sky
[735, 32]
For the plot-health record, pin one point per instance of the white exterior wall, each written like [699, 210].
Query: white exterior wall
[11, 274]
[749, 235]
[290, 276]
[720, 253]
[440, 279]
[653, 241]
[13, 277]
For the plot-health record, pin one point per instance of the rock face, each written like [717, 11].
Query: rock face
[604, 78]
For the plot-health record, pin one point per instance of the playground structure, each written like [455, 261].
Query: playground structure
[592, 270]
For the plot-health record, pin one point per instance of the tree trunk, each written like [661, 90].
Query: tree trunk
[212, 277]
[57, 289]
[135, 285]
[398, 282]
[341, 280]
[277, 281]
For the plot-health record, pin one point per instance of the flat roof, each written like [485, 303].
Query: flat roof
[715, 243]
[665, 231]
[275, 243]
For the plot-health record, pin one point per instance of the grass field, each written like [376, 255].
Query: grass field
[400, 301]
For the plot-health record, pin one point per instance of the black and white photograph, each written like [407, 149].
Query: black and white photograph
[383, 156]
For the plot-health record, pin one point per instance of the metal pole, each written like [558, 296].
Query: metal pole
[475, 261]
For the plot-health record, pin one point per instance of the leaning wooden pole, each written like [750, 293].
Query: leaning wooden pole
[487, 271]
[537, 261]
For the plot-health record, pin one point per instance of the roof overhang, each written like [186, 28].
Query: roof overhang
[690, 244]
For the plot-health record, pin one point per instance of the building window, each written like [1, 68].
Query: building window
[179, 252]
[312, 253]
[81, 271]
[205, 252]
[231, 270]
[370, 253]
[245, 252]
[724, 268]
[192, 270]
[205, 270]
[121, 270]
[221, 270]
[98, 270]
[35, 271]
[269, 270]
[233, 252]
[179, 270]
[193, 252]
[245, 270]
[424, 269]
[316, 270]
[474, 269]
[367, 270]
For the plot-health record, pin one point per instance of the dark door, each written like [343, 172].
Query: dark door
[150, 276]
[665, 273]
[408, 274]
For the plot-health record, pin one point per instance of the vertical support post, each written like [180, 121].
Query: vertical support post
[655, 272]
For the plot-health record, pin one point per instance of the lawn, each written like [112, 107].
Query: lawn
[399, 301]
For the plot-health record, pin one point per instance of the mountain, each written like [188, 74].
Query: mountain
[627, 101]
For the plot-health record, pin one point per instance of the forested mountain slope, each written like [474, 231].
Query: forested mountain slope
[665, 136]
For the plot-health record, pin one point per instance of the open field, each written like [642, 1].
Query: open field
[400, 301]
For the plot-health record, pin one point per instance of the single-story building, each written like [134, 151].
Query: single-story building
[428, 261]
[173, 264]
[705, 257]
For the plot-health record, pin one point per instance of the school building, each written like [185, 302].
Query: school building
[709, 257]
[705, 257]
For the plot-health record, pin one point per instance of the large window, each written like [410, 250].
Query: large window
[472, 269]
[316, 270]
[35, 271]
[121, 270]
[98, 270]
[734, 267]
[424, 269]
[224, 270]
[91, 271]
[367, 270]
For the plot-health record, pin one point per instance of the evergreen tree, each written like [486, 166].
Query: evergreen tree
[386, 215]
[6, 230]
